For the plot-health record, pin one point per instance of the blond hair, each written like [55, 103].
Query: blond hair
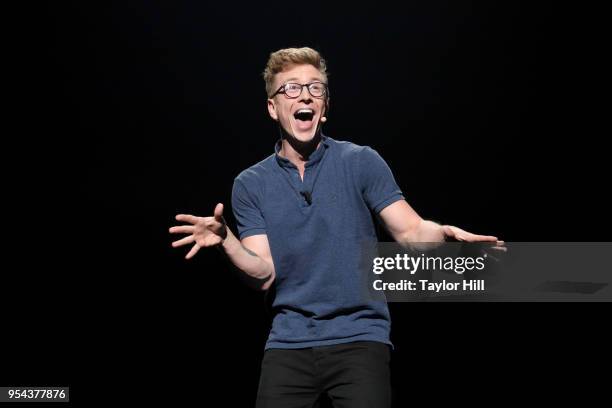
[283, 59]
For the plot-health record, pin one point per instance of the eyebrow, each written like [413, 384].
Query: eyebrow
[312, 79]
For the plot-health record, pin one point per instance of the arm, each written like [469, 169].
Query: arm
[403, 223]
[252, 256]
[257, 263]
[407, 227]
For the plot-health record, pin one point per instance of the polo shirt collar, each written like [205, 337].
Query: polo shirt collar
[315, 157]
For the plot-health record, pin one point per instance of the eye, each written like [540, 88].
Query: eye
[317, 87]
[292, 88]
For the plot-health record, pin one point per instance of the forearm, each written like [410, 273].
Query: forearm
[244, 259]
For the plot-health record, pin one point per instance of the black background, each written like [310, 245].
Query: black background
[129, 112]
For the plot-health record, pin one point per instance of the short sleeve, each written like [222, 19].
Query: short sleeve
[378, 185]
[249, 218]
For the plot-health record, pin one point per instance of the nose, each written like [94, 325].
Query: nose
[305, 94]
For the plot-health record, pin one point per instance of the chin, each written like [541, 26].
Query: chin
[291, 130]
[305, 136]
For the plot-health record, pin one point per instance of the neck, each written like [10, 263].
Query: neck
[296, 151]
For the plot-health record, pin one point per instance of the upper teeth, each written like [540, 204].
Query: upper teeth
[305, 111]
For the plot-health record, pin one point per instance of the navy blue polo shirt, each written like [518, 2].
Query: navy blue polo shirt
[316, 241]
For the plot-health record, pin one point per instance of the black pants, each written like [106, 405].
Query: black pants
[353, 375]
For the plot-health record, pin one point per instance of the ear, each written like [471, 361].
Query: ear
[272, 109]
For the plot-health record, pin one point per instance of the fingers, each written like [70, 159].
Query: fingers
[461, 235]
[500, 246]
[182, 229]
[183, 241]
[194, 250]
[481, 238]
[219, 212]
[187, 218]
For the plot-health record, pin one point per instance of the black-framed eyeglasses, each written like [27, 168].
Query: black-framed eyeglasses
[293, 90]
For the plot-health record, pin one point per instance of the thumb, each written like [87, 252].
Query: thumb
[448, 231]
[219, 212]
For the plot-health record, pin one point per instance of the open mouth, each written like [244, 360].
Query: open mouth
[304, 115]
[304, 119]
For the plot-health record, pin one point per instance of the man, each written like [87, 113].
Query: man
[302, 214]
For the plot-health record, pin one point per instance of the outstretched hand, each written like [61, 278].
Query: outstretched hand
[455, 233]
[203, 231]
